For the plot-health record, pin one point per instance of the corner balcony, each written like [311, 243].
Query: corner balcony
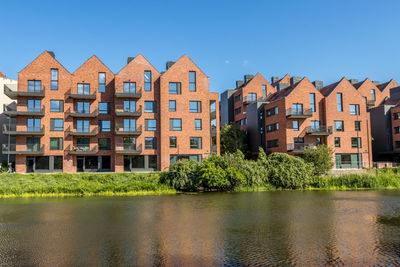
[299, 147]
[81, 114]
[128, 131]
[128, 149]
[23, 130]
[370, 103]
[247, 100]
[79, 149]
[131, 94]
[23, 93]
[320, 130]
[298, 114]
[82, 94]
[122, 111]
[83, 132]
[15, 149]
[24, 111]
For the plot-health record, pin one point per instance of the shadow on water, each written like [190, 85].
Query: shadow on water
[235, 229]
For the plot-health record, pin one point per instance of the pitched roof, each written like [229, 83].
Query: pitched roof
[2, 75]
[47, 53]
[384, 85]
[139, 56]
[177, 63]
[94, 57]
[285, 92]
[287, 76]
[325, 91]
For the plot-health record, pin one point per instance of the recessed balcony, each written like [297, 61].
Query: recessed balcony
[17, 149]
[122, 111]
[23, 130]
[24, 111]
[128, 148]
[136, 94]
[128, 131]
[319, 130]
[299, 147]
[23, 93]
[298, 114]
[81, 114]
[83, 94]
[83, 132]
[79, 149]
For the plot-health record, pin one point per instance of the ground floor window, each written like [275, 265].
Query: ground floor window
[93, 163]
[44, 163]
[174, 158]
[346, 161]
[140, 162]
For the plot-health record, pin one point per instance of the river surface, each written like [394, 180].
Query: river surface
[223, 229]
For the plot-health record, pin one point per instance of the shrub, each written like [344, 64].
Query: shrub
[213, 176]
[289, 172]
[233, 139]
[183, 175]
[321, 158]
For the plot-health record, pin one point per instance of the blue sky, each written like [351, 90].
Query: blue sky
[322, 40]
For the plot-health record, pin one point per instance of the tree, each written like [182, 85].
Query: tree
[232, 139]
[321, 158]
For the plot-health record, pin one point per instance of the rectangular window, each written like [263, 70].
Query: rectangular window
[172, 142]
[197, 124]
[354, 109]
[33, 143]
[105, 126]
[83, 89]
[397, 130]
[238, 98]
[54, 79]
[339, 126]
[264, 90]
[104, 108]
[150, 125]
[175, 124]
[56, 125]
[195, 142]
[238, 110]
[315, 125]
[272, 143]
[337, 141]
[150, 107]
[130, 125]
[397, 144]
[339, 102]
[272, 127]
[357, 126]
[295, 125]
[82, 126]
[252, 97]
[372, 94]
[312, 102]
[56, 106]
[104, 143]
[33, 125]
[195, 106]
[396, 116]
[272, 111]
[192, 81]
[175, 88]
[150, 143]
[356, 142]
[83, 107]
[34, 105]
[147, 80]
[34, 86]
[129, 88]
[129, 106]
[56, 143]
[83, 144]
[129, 143]
[102, 82]
[297, 108]
[172, 105]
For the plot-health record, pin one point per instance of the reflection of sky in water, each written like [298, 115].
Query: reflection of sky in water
[266, 228]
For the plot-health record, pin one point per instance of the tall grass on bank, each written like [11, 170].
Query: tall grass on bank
[65, 184]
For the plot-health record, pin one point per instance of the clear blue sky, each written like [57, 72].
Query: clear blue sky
[323, 40]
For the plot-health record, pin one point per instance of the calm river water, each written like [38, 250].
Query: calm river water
[234, 229]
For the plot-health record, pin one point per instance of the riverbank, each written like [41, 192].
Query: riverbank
[139, 184]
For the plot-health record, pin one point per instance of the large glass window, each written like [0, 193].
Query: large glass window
[339, 101]
[252, 97]
[58, 163]
[312, 102]
[354, 109]
[150, 125]
[104, 143]
[175, 88]
[129, 143]
[195, 106]
[82, 126]
[192, 81]
[42, 162]
[129, 106]
[33, 143]
[150, 107]
[102, 82]
[56, 125]
[175, 124]
[54, 79]
[34, 105]
[83, 144]
[83, 107]
[34, 86]
[297, 108]
[83, 89]
[147, 80]
[56, 105]
[315, 125]
[195, 142]
[104, 108]
[172, 105]
[150, 142]
[339, 126]
[33, 125]
[56, 143]
[272, 111]
[130, 125]
[129, 87]
[105, 126]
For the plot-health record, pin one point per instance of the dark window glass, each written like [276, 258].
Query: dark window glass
[337, 141]
[312, 102]
[172, 142]
[150, 142]
[42, 163]
[195, 142]
[104, 143]
[58, 163]
[33, 144]
[357, 126]
[56, 143]
[356, 142]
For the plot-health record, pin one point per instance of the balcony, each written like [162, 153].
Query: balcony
[83, 95]
[83, 132]
[299, 147]
[128, 149]
[23, 111]
[122, 131]
[23, 149]
[132, 95]
[79, 114]
[298, 114]
[15, 94]
[120, 110]
[370, 103]
[23, 130]
[319, 130]
[247, 100]
[79, 149]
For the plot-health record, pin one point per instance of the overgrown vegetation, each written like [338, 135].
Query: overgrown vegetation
[233, 139]
[320, 158]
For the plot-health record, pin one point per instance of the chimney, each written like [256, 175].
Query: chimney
[248, 77]
[169, 64]
[130, 59]
[318, 84]
[274, 79]
[52, 54]
[353, 81]
[239, 83]
[281, 86]
[376, 83]
[294, 80]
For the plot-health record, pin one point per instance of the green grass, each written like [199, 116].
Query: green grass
[83, 184]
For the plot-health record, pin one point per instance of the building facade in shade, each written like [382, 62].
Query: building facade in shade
[95, 120]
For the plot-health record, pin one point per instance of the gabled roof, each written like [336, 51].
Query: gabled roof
[95, 58]
[45, 53]
[2, 75]
[383, 86]
[182, 58]
[390, 101]
[252, 79]
[325, 91]
[134, 60]
[285, 79]
[285, 92]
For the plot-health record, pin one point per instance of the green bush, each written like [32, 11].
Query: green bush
[288, 172]
[183, 175]
[321, 158]
[213, 176]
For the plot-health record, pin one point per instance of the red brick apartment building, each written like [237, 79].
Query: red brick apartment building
[95, 120]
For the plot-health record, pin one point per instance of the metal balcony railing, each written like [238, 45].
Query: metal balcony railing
[319, 130]
[24, 111]
[298, 147]
[23, 130]
[28, 149]
[83, 131]
[81, 114]
[23, 92]
[82, 94]
[247, 100]
[81, 149]
[128, 131]
[128, 148]
[120, 110]
[120, 93]
[298, 114]
[370, 103]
